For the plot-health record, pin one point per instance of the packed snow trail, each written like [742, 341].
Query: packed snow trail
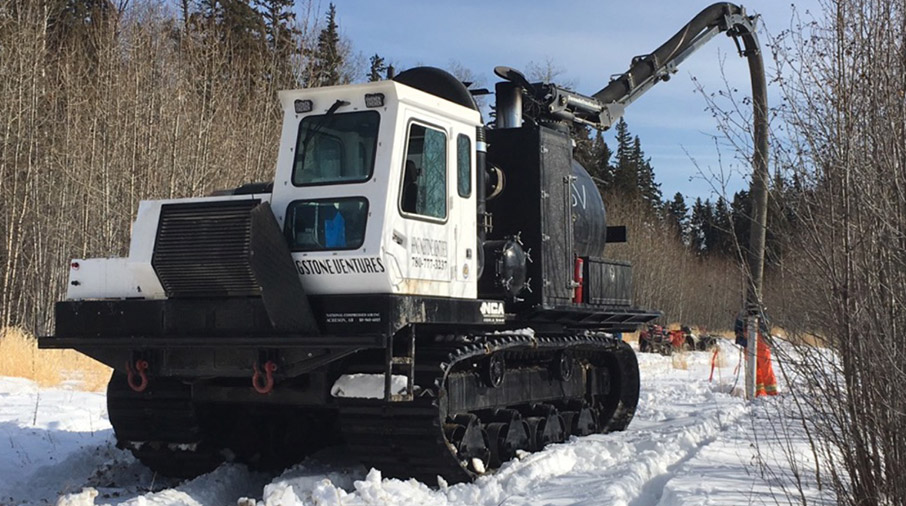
[690, 443]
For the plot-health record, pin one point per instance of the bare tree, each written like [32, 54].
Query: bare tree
[843, 77]
[157, 108]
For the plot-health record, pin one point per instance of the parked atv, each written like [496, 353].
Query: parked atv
[655, 339]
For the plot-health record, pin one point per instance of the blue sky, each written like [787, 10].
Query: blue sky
[589, 40]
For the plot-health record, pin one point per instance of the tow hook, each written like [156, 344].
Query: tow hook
[140, 367]
[266, 384]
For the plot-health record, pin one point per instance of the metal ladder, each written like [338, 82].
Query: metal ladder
[406, 362]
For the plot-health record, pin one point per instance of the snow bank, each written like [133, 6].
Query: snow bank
[691, 442]
[53, 440]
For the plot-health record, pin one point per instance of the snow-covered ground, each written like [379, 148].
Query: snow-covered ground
[692, 442]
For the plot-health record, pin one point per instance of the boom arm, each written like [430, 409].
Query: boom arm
[648, 70]
[605, 107]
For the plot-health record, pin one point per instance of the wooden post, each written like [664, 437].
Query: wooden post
[751, 355]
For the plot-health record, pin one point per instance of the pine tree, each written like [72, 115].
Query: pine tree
[601, 170]
[281, 35]
[678, 216]
[76, 24]
[236, 24]
[699, 226]
[625, 180]
[327, 59]
[594, 155]
[648, 189]
[584, 150]
[722, 240]
[741, 212]
[377, 69]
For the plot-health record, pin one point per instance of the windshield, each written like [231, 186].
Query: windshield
[335, 148]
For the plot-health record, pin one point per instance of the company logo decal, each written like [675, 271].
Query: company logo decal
[338, 266]
[489, 308]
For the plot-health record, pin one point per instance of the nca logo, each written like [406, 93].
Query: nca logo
[492, 309]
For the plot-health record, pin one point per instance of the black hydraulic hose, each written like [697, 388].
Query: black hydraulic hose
[759, 186]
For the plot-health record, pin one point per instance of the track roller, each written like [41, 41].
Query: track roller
[493, 369]
[564, 365]
[545, 425]
[507, 433]
[469, 440]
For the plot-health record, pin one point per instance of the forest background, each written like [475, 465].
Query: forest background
[103, 104]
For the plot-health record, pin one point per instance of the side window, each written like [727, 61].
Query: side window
[424, 189]
[328, 224]
[464, 165]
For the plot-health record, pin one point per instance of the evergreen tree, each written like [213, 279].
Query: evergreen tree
[594, 155]
[648, 189]
[584, 150]
[741, 212]
[377, 69]
[76, 24]
[625, 171]
[281, 34]
[783, 199]
[722, 239]
[678, 216]
[601, 170]
[237, 24]
[710, 227]
[699, 226]
[328, 58]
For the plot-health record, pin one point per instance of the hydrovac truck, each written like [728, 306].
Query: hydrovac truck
[419, 286]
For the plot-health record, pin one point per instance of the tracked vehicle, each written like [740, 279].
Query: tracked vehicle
[420, 287]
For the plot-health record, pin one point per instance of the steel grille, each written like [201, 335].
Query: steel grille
[202, 249]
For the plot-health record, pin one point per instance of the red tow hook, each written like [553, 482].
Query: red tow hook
[140, 366]
[267, 385]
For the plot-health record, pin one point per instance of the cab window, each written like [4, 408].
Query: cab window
[335, 148]
[424, 190]
[326, 224]
[464, 165]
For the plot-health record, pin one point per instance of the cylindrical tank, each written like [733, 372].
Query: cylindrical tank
[589, 215]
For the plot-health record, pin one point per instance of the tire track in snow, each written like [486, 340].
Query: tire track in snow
[714, 411]
[678, 416]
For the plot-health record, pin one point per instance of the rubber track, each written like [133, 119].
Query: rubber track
[160, 420]
[406, 439]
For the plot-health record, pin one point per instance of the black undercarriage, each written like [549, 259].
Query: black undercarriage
[198, 384]
[476, 400]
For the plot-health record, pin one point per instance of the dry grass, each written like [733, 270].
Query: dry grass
[631, 337]
[20, 357]
[679, 360]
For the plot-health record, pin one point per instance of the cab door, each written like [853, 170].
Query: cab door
[425, 233]
[463, 216]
